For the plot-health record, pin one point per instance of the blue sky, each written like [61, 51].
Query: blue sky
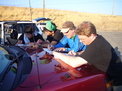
[91, 6]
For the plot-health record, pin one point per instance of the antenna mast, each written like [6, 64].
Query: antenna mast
[30, 9]
[39, 84]
[43, 8]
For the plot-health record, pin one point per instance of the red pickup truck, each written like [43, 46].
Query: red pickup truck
[47, 74]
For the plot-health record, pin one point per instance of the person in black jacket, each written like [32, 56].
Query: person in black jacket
[30, 36]
[53, 34]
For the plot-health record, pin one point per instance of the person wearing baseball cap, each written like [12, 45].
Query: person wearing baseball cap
[67, 25]
[70, 38]
[53, 34]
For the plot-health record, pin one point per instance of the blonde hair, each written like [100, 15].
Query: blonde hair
[86, 28]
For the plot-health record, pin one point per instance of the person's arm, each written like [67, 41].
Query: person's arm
[70, 60]
[60, 49]
[53, 42]
[75, 53]
[19, 42]
[61, 43]
[45, 44]
[49, 41]
[79, 53]
[39, 36]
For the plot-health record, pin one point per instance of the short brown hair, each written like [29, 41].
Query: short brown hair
[68, 24]
[29, 29]
[86, 28]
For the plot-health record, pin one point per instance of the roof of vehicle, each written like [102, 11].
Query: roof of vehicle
[14, 22]
[40, 19]
[25, 21]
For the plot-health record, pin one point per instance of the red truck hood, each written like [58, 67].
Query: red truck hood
[48, 75]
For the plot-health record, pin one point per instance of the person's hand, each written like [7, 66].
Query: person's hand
[59, 49]
[35, 46]
[39, 41]
[30, 43]
[50, 47]
[47, 41]
[72, 53]
[19, 42]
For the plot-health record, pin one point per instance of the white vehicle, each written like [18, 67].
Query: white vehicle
[21, 24]
[15, 25]
[41, 22]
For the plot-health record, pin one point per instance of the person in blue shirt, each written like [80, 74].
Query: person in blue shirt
[70, 38]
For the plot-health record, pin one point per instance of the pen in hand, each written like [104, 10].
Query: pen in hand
[72, 53]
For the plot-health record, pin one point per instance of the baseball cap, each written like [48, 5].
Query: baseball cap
[50, 26]
[67, 25]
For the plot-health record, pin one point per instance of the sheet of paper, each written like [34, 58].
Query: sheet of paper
[50, 52]
[22, 45]
[47, 50]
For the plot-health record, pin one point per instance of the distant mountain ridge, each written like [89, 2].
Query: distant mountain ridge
[102, 21]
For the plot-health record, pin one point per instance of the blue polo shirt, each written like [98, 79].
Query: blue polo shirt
[74, 44]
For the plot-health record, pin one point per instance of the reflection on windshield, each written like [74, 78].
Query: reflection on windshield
[4, 61]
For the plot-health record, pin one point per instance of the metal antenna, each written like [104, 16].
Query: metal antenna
[43, 8]
[39, 84]
[30, 9]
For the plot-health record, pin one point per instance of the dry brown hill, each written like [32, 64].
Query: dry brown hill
[103, 22]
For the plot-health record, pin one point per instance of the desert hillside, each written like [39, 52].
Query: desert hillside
[102, 22]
